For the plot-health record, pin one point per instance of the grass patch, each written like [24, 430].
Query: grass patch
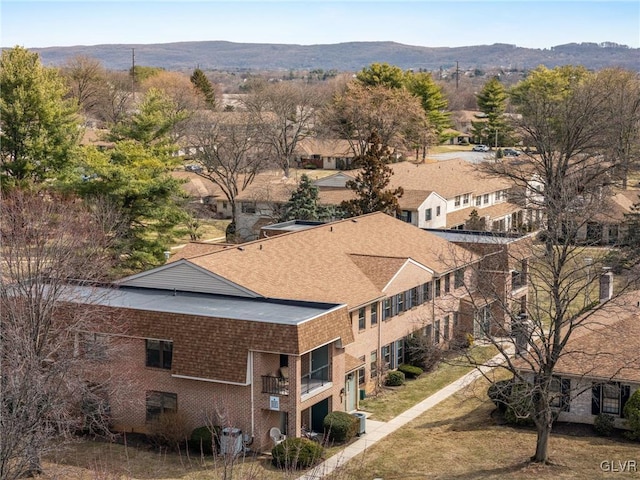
[390, 402]
[459, 438]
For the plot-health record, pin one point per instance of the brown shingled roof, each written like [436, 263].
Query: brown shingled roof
[317, 263]
[448, 178]
[607, 346]
[494, 211]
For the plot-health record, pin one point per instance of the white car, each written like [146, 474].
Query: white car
[480, 148]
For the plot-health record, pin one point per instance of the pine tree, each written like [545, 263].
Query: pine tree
[369, 185]
[203, 85]
[492, 101]
[38, 126]
[303, 204]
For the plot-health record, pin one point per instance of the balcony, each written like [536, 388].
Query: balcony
[315, 379]
[518, 280]
[275, 385]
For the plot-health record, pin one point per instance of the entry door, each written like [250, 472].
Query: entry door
[350, 392]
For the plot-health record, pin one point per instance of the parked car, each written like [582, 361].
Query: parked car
[193, 168]
[510, 152]
[480, 148]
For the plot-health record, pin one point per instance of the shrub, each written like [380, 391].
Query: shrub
[410, 371]
[394, 379]
[296, 453]
[631, 412]
[340, 426]
[499, 392]
[169, 430]
[205, 439]
[520, 405]
[422, 353]
[603, 424]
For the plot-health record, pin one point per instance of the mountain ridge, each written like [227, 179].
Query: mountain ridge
[347, 56]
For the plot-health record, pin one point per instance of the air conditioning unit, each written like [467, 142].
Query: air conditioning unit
[231, 441]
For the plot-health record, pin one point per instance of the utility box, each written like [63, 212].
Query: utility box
[362, 423]
[231, 441]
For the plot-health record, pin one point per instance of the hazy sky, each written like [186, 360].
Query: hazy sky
[429, 23]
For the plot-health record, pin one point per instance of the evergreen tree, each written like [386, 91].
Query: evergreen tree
[204, 86]
[38, 128]
[303, 204]
[134, 179]
[369, 185]
[383, 74]
[433, 101]
[492, 101]
[475, 222]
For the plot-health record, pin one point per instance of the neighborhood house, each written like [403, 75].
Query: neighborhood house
[280, 331]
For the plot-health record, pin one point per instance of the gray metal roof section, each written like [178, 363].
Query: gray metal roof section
[292, 225]
[467, 236]
[282, 312]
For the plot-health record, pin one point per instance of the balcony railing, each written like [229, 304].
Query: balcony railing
[518, 280]
[315, 379]
[275, 385]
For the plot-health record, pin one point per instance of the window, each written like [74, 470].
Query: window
[446, 328]
[385, 352]
[415, 297]
[92, 345]
[559, 390]
[248, 207]
[478, 200]
[438, 211]
[159, 354]
[611, 398]
[374, 313]
[426, 291]
[458, 278]
[456, 319]
[361, 372]
[485, 198]
[386, 309]
[362, 321]
[436, 331]
[456, 201]
[427, 214]
[437, 288]
[374, 364]
[400, 302]
[465, 199]
[399, 356]
[447, 283]
[405, 216]
[159, 403]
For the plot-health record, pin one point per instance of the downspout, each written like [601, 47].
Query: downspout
[252, 394]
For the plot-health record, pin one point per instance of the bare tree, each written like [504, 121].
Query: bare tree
[85, 77]
[564, 115]
[228, 147]
[283, 114]
[53, 379]
[621, 88]
[116, 98]
[394, 115]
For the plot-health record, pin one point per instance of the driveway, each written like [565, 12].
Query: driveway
[469, 156]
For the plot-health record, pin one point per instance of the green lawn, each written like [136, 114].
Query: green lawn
[393, 401]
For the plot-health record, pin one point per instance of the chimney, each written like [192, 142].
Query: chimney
[606, 285]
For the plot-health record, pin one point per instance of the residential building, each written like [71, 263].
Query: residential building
[436, 195]
[280, 331]
[600, 366]
[328, 154]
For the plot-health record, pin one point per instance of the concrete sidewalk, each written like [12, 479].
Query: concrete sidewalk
[376, 431]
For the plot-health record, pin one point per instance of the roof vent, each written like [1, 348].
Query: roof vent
[241, 249]
[354, 220]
